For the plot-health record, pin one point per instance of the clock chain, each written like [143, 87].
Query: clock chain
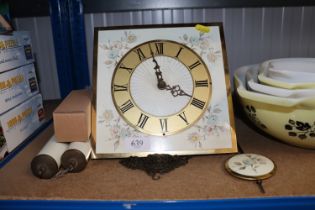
[156, 164]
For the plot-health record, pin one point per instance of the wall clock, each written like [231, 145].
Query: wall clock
[161, 89]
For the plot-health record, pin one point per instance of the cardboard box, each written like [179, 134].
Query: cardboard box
[16, 86]
[21, 121]
[72, 118]
[15, 50]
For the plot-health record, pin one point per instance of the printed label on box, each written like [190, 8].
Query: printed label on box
[8, 41]
[20, 122]
[16, 86]
[15, 50]
[13, 58]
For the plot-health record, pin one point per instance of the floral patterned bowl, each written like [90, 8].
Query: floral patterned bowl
[291, 120]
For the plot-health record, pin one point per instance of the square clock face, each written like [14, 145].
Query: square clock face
[161, 89]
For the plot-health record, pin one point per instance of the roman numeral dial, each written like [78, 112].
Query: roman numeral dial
[117, 88]
[140, 54]
[202, 83]
[126, 106]
[198, 103]
[142, 120]
[194, 65]
[159, 47]
[183, 117]
[163, 124]
[160, 112]
[122, 66]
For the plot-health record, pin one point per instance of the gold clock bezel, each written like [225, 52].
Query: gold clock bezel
[147, 122]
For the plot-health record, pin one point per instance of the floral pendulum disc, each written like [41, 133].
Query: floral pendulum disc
[251, 167]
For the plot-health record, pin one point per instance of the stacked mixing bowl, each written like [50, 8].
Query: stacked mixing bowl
[278, 96]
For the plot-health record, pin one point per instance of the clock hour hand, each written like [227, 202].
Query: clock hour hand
[160, 82]
[176, 91]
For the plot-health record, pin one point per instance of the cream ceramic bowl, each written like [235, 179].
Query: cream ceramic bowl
[289, 73]
[291, 64]
[254, 85]
[275, 81]
[291, 76]
[291, 120]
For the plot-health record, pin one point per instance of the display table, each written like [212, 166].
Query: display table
[203, 178]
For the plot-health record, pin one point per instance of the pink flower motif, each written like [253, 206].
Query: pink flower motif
[103, 46]
[108, 115]
[115, 132]
[204, 44]
[209, 130]
[194, 137]
[131, 38]
[211, 57]
[117, 45]
[108, 62]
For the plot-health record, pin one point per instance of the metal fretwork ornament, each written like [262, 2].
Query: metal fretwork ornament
[156, 164]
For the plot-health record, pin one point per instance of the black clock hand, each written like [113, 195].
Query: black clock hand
[161, 83]
[176, 91]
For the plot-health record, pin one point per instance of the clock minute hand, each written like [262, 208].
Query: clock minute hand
[161, 83]
[176, 91]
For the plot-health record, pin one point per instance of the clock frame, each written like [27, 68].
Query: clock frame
[205, 125]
